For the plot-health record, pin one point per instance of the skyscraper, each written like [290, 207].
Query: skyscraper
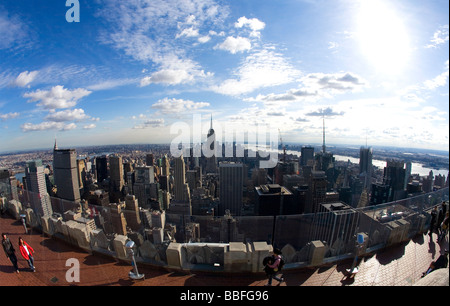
[116, 172]
[101, 168]
[65, 173]
[307, 155]
[35, 183]
[394, 176]
[211, 162]
[180, 187]
[231, 180]
[144, 178]
[365, 165]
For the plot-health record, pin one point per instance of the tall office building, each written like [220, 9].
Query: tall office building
[231, 180]
[394, 176]
[365, 165]
[65, 173]
[35, 183]
[144, 177]
[307, 155]
[180, 187]
[165, 167]
[101, 168]
[116, 172]
[211, 162]
[317, 191]
[149, 160]
[131, 212]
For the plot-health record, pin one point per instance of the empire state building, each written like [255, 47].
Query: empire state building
[211, 162]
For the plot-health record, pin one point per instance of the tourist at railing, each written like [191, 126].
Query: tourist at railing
[443, 229]
[433, 221]
[442, 213]
[10, 251]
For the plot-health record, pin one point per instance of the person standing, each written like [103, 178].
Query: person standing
[10, 251]
[27, 253]
[433, 221]
[272, 267]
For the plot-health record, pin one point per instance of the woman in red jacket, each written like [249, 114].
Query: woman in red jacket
[27, 253]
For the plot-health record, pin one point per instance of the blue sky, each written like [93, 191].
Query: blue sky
[130, 69]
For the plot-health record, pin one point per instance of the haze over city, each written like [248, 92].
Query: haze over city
[377, 71]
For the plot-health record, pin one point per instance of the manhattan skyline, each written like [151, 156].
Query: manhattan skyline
[377, 71]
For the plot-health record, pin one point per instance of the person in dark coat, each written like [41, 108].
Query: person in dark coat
[441, 262]
[10, 251]
[433, 221]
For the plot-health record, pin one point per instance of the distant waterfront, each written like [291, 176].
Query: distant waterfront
[416, 168]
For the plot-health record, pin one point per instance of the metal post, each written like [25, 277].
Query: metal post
[24, 223]
[134, 275]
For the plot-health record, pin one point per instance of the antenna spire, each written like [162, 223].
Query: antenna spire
[323, 145]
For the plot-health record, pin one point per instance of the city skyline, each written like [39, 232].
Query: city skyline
[376, 71]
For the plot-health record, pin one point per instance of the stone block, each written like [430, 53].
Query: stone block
[15, 207]
[148, 250]
[236, 258]
[62, 227]
[214, 254]
[289, 253]
[47, 225]
[394, 232]
[119, 246]
[259, 250]
[316, 253]
[422, 221]
[70, 227]
[404, 229]
[174, 255]
[99, 239]
[195, 254]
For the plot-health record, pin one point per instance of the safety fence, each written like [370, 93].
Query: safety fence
[106, 229]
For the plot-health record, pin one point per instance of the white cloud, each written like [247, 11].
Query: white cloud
[235, 44]
[188, 32]
[315, 86]
[44, 126]
[262, 68]
[57, 97]
[145, 29]
[76, 114]
[178, 106]
[109, 84]
[439, 37]
[9, 116]
[439, 81]
[13, 32]
[167, 76]
[204, 39]
[175, 71]
[25, 78]
[254, 24]
[150, 123]
[89, 126]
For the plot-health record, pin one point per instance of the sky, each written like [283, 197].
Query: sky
[376, 72]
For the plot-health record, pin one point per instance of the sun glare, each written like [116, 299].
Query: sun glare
[382, 36]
